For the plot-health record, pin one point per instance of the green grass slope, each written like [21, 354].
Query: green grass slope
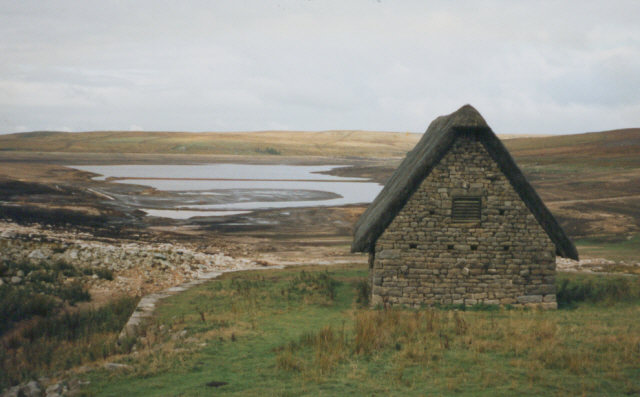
[290, 333]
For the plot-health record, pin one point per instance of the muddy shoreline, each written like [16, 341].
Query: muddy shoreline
[37, 189]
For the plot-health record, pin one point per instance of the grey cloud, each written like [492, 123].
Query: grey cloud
[529, 67]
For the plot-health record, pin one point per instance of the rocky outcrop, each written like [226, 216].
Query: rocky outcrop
[135, 268]
[44, 387]
[597, 265]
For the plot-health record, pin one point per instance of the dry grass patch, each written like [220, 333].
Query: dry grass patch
[469, 345]
[59, 342]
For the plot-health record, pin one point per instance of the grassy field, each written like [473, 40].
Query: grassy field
[294, 332]
[605, 149]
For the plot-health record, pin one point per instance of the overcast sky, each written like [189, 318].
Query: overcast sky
[528, 67]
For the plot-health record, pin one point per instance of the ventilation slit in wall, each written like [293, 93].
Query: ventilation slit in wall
[466, 208]
[501, 212]
[413, 246]
[506, 248]
[450, 246]
[474, 248]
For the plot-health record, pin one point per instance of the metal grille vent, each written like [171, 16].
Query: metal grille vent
[466, 208]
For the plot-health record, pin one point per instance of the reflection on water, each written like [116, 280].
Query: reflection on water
[237, 187]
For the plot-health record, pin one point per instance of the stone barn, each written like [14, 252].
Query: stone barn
[458, 223]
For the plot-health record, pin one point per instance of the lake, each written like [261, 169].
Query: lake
[231, 189]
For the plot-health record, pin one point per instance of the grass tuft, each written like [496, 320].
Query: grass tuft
[363, 294]
[44, 344]
[43, 291]
[608, 290]
[312, 284]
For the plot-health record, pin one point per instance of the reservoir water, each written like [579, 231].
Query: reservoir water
[231, 189]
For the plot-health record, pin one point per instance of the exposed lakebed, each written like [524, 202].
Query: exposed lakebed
[185, 191]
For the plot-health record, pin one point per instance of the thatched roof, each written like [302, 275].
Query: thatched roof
[435, 143]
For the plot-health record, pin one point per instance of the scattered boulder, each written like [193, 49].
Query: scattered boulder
[11, 392]
[37, 255]
[32, 389]
[29, 389]
[113, 366]
[55, 390]
[179, 335]
[7, 234]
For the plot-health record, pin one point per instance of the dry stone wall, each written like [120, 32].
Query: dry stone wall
[425, 257]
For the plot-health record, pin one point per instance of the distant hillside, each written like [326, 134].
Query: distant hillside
[288, 143]
[621, 146]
